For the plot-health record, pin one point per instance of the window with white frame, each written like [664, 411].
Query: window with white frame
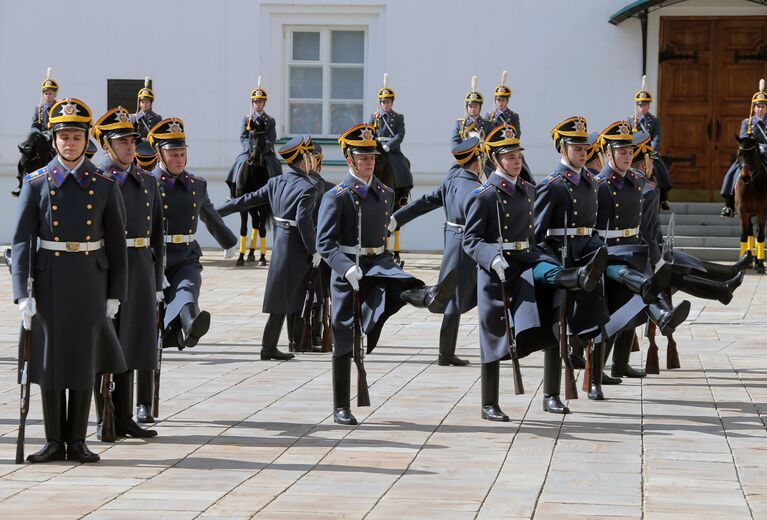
[325, 78]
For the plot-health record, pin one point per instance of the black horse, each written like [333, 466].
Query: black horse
[253, 174]
[36, 151]
[385, 172]
[751, 197]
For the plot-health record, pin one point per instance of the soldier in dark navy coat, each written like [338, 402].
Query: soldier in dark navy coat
[472, 124]
[145, 118]
[136, 321]
[499, 236]
[76, 218]
[756, 127]
[48, 90]
[451, 195]
[185, 202]
[383, 286]
[292, 197]
[566, 214]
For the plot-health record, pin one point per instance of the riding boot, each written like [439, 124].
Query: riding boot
[490, 381]
[597, 366]
[552, 382]
[576, 352]
[271, 336]
[647, 287]
[723, 273]
[342, 413]
[194, 322]
[703, 288]
[144, 395]
[664, 205]
[54, 417]
[433, 297]
[296, 324]
[78, 408]
[621, 355]
[122, 397]
[586, 277]
[729, 206]
[666, 318]
[448, 337]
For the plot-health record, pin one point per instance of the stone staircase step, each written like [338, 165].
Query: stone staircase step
[726, 254]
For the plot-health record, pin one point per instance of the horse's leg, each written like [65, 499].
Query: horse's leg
[253, 234]
[262, 241]
[761, 219]
[745, 230]
[243, 238]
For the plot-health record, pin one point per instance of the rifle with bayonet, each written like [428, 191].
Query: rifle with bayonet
[571, 392]
[305, 344]
[160, 329]
[24, 371]
[652, 365]
[363, 395]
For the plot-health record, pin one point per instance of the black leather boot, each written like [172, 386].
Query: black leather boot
[606, 349]
[586, 277]
[54, 416]
[448, 336]
[722, 273]
[552, 382]
[342, 413]
[666, 318]
[122, 397]
[194, 322]
[144, 414]
[144, 395]
[621, 355]
[433, 297]
[490, 381]
[703, 288]
[172, 337]
[597, 364]
[729, 206]
[647, 287]
[271, 336]
[295, 331]
[77, 425]
[576, 352]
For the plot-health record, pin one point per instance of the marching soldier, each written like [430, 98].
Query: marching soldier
[644, 121]
[49, 89]
[145, 118]
[451, 195]
[137, 320]
[472, 124]
[565, 211]
[383, 287]
[756, 127]
[185, 202]
[76, 216]
[390, 131]
[292, 197]
[499, 237]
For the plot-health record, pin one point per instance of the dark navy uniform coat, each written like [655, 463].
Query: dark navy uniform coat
[137, 318]
[651, 124]
[451, 195]
[462, 130]
[40, 117]
[505, 117]
[391, 127]
[383, 280]
[534, 311]
[185, 201]
[758, 132]
[144, 121]
[291, 196]
[72, 338]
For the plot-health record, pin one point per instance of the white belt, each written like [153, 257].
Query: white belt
[457, 227]
[365, 251]
[384, 140]
[571, 232]
[137, 242]
[619, 233]
[71, 247]
[179, 239]
[284, 222]
[516, 246]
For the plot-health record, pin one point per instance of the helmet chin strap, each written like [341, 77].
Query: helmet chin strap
[77, 159]
[165, 166]
[111, 152]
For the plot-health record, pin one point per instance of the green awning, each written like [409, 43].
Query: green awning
[642, 7]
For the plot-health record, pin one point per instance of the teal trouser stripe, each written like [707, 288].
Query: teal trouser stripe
[545, 273]
[613, 271]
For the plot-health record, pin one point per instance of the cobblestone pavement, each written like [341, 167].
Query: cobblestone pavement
[242, 438]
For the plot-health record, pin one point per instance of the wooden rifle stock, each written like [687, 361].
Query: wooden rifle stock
[587, 371]
[518, 386]
[108, 417]
[305, 344]
[363, 395]
[26, 353]
[571, 391]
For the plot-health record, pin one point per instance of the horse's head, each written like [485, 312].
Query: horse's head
[748, 157]
[36, 148]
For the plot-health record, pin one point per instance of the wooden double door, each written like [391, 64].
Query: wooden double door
[709, 67]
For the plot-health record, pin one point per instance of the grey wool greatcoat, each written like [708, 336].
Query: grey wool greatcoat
[137, 318]
[323, 286]
[383, 280]
[451, 195]
[292, 197]
[534, 311]
[651, 125]
[72, 338]
[574, 195]
[390, 127]
[185, 202]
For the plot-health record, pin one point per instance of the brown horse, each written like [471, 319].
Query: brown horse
[751, 196]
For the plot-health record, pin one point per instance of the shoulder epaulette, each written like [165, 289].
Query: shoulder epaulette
[482, 189]
[195, 177]
[550, 178]
[103, 175]
[341, 188]
[386, 188]
[601, 177]
[34, 175]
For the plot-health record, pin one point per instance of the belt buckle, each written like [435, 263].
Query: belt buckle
[627, 233]
[72, 247]
[139, 242]
[582, 231]
[519, 246]
[370, 251]
[177, 239]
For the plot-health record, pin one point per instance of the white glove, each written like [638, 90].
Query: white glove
[159, 296]
[392, 224]
[354, 275]
[231, 252]
[385, 147]
[499, 265]
[165, 282]
[316, 259]
[112, 307]
[28, 308]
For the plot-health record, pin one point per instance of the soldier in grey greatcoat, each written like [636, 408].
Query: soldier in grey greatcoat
[383, 286]
[292, 197]
[75, 219]
[458, 185]
[185, 202]
[145, 118]
[136, 322]
[48, 90]
[472, 124]
[499, 237]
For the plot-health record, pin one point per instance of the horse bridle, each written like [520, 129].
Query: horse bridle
[745, 168]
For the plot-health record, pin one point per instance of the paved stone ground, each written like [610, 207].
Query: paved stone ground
[242, 438]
